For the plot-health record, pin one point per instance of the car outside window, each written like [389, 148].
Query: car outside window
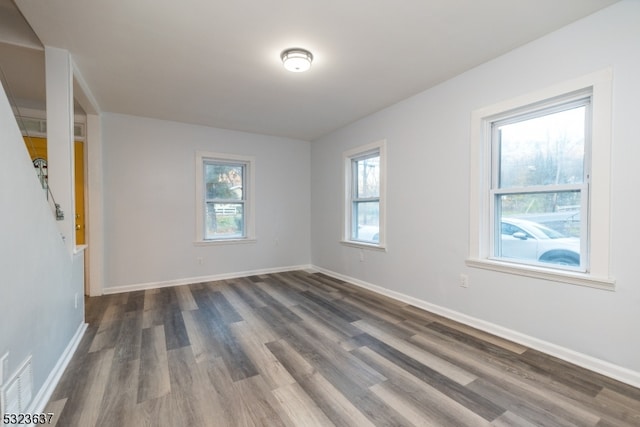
[540, 183]
[540, 179]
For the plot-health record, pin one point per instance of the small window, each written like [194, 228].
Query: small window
[364, 198]
[224, 188]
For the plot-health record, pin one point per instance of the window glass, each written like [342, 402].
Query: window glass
[225, 199]
[545, 150]
[223, 181]
[367, 221]
[366, 200]
[538, 185]
[368, 177]
[365, 195]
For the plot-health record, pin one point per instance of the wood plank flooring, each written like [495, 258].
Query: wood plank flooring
[304, 349]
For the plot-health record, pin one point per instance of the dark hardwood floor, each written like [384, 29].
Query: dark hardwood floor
[304, 349]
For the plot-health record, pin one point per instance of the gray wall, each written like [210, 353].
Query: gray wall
[38, 278]
[428, 139]
[149, 202]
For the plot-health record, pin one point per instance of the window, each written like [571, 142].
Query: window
[540, 184]
[364, 195]
[224, 187]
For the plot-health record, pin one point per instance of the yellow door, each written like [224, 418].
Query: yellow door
[78, 150]
[38, 151]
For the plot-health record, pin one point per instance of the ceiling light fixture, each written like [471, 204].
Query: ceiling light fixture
[296, 60]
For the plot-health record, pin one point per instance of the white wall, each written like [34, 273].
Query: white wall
[428, 140]
[60, 144]
[39, 280]
[149, 202]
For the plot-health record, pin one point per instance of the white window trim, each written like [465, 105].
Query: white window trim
[599, 231]
[347, 178]
[249, 206]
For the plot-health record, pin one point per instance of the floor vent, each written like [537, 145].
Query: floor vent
[17, 393]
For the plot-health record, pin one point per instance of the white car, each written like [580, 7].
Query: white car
[528, 240]
[368, 234]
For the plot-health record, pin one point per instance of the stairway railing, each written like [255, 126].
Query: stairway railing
[41, 173]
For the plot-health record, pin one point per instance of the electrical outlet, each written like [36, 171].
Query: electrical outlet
[464, 280]
[75, 301]
[200, 260]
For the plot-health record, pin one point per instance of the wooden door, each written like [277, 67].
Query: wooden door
[38, 151]
[78, 149]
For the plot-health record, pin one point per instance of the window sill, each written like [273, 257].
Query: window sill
[363, 245]
[224, 242]
[573, 278]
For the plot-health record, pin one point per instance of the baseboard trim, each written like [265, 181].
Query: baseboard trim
[200, 279]
[591, 363]
[41, 399]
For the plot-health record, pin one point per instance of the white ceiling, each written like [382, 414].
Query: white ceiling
[216, 63]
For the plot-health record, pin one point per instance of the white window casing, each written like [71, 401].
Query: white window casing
[595, 269]
[247, 163]
[351, 199]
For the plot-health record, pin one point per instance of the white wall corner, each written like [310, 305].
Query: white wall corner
[41, 399]
[201, 279]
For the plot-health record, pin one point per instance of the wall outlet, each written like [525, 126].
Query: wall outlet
[200, 260]
[464, 280]
[75, 301]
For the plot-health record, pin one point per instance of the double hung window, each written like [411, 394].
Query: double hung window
[540, 183]
[224, 187]
[364, 189]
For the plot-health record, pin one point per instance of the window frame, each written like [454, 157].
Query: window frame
[582, 98]
[350, 157]
[248, 163]
[597, 233]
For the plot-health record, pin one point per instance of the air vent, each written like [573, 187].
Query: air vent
[30, 126]
[38, 127]
[17, 393]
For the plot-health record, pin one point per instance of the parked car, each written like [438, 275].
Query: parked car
[368, 234]
[528, 240]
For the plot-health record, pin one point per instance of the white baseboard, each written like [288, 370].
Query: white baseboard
[200, 279]
[41, 399]
[603, 367]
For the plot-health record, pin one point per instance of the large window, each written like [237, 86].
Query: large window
[540, 183]
[539, 188]
[224, 189]
[364, 191]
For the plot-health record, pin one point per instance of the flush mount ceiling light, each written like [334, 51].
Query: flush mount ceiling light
[296, 60]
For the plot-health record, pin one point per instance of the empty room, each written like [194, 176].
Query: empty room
[349, 213]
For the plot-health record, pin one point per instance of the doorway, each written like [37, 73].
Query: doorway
[37, 147]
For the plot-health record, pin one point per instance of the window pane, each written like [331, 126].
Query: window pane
[368, 177]
[224, 220]
[367, 221]
[223, 181]
[545, 150]
[542, 227]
